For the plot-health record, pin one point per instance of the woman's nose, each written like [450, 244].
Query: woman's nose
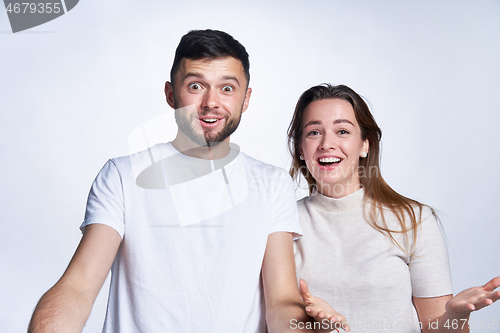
[328, 142]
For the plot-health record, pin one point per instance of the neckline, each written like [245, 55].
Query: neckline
[215, 164]
[329, 204]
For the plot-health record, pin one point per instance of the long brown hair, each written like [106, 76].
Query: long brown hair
[377, 191]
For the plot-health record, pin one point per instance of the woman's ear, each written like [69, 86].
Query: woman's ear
[365, 149]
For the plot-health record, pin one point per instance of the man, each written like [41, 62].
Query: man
[194, 231]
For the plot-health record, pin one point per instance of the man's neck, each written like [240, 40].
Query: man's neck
[187, 147]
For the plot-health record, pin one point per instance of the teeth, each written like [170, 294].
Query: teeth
[329, 159]
[210, 120]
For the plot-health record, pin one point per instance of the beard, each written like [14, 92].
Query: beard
[190, 126]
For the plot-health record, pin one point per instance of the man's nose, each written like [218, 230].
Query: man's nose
[211, 99]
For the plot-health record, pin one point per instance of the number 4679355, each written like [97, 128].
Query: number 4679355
[27, 7]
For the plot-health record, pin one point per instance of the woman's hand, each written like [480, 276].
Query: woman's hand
[321, 311]
[473, 299]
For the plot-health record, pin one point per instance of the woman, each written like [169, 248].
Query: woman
[374, 255]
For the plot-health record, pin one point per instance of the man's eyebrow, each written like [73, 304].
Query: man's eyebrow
[230, 77]
[201, 76]
[340, 121]
[194, 74]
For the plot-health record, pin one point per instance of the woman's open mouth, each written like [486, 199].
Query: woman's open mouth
[329, 161]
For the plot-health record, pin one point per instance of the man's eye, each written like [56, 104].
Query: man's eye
[194, 86]
[227, 89]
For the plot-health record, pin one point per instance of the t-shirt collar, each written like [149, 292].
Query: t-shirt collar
[329, 204]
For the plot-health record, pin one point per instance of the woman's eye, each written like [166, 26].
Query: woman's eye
[194, 86]
[343, 131]
[313, 133]
[227, 89]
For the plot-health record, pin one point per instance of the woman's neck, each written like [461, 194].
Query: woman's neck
[338, 191]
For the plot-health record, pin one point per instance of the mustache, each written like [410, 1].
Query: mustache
[211, 113]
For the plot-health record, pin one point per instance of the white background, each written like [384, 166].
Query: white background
[72, 90]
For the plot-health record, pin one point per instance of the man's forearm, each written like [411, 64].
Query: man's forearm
[288, 317]
[61, 309]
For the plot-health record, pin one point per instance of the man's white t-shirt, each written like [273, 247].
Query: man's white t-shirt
[194, 234]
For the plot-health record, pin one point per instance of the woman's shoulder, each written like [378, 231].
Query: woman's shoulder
[302, 204]
[420, 210]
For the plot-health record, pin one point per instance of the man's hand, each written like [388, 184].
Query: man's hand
[321, 310]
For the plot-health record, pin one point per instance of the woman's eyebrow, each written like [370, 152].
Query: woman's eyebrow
[340, 121]
[313, 122]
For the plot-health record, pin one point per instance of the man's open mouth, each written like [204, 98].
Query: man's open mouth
[209, 120]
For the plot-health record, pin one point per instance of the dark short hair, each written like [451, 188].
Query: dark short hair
[209, 44]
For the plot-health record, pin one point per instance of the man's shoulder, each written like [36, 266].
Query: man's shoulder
[144, 157]
[264, 167]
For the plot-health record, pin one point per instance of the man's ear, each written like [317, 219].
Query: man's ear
[169, 94]
[247, 100]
